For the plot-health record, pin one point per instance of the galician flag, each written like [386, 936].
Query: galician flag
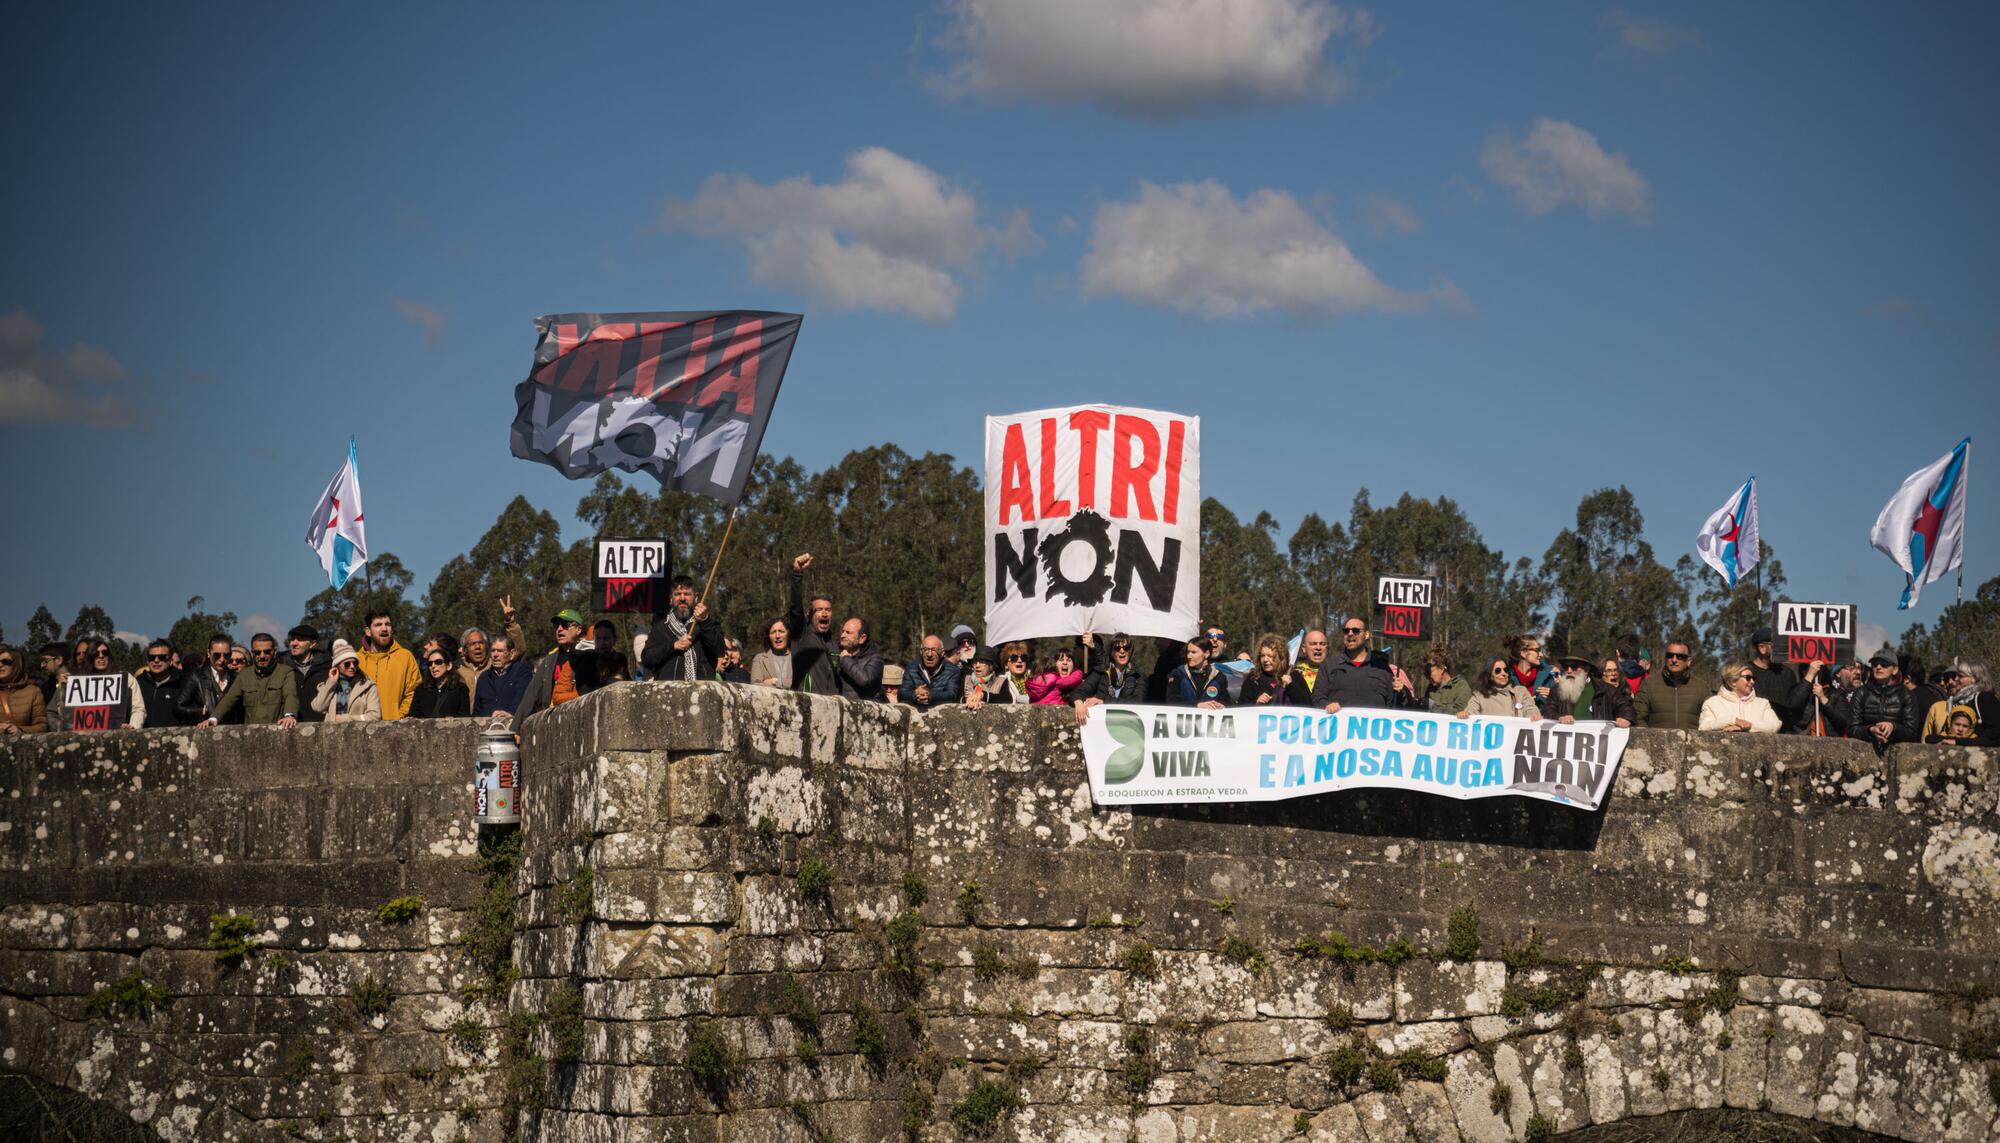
[1727, 542]
[335, 531]
[1922, 527]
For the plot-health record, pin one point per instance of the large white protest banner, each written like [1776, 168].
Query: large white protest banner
[1093, 523]
[1165, 754]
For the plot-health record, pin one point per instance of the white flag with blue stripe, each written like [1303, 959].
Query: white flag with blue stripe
[335, 531]
[1727, 541]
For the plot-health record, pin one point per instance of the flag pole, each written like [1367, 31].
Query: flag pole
[728, 528]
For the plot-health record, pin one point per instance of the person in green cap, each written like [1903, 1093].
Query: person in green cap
[563, 674]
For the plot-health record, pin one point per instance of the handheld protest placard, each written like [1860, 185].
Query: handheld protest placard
[1093, 523]
[630, 575]
[1814, 632]
[1403, 606]
[93, 701]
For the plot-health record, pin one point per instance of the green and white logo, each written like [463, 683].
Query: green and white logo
[1128, 730]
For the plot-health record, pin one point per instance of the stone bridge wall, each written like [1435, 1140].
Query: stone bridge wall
[718, 934]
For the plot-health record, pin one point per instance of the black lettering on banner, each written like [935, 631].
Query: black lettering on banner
[1158, 579]
[1018, 566]
[1402, 622]
[630, 575]
[1815, 632]
[1089, 528]
[1809, 649]
[90, 718]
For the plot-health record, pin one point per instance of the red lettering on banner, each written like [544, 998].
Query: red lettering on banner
[695, 365]
[1130, 480]
[737, 373]
[649, 363]
[1170, 508]
[1014, 490]
[1051, 507]
[1807, 649]
[1088, 423]
[627, 595]
[1402, 622]
[595, 361]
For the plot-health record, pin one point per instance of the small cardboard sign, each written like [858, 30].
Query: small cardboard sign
[1814, 632]
[92, 701]
[1403, 606]
[630, 575]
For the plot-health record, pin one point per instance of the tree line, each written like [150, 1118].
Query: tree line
[898, 539]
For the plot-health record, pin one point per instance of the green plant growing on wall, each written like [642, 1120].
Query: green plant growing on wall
[710, 1061]
[815, 879]
[572, 896]
[229, 934]
[871, 1039]
[803, 1012]
[1345, 1063]
[1461, 941]
[300, 1061]
[399, 910]
[1024, 1068]
[902, 934]
[564, 1012]
[524, 1073]
[1242, 952]
[970, 898]
[985, 1105]
[1138, 1069]
[915, 891]
[371, 997]
[1678, 965]
[488, 936]
[987, 963]
[1539, 1128]
[767, 830]
[131, 992]
[469, 1033]
[1339, 1017]
[1141, 961]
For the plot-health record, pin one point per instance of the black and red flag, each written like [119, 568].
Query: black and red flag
[684, 396]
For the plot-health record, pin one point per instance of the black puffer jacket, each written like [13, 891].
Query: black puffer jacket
[1109, 685]
[1610, 703]
[1883, 702]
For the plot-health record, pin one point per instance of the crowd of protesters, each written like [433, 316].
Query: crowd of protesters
[1883, 701]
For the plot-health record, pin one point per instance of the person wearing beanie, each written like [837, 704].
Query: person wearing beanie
[345, 694]
[1777, 683]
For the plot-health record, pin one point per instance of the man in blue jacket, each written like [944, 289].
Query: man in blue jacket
[504, 681]
[932, 680]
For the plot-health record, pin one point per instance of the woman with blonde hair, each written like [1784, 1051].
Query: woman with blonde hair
[1737, 707]
[1267, 682]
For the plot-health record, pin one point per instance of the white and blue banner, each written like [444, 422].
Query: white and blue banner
[1150, 755]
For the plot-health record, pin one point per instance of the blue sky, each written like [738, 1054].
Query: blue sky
[1501, 253]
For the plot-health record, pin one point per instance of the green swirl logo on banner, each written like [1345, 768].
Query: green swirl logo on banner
[1128, 730]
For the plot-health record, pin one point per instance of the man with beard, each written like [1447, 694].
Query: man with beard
[815, 646]
[268, 691]
[860, 663]
[302, 654]
[389, 663]
[1359, 677]
[685, 643]
[1571, 690]
[160, 685]
[1671, 698]
[566, 673]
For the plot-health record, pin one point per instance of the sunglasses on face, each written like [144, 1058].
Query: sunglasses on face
[6, 662]
[1673, 655]
[1017, 658]
[264, 652]
[1499, 670]
[438, 662]
[149, 658]
[218, 656]
[1354, 630]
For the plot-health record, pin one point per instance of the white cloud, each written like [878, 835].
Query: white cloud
[1648, 34]
[430, 319]
[888, 236]
[1386, 215]
[267, 623]
[75, 386]
[1869, 638]
[1197, 247]
[1161, 59]
[132, 637]
[1560, 163]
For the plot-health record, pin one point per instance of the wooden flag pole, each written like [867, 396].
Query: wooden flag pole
[719, 548]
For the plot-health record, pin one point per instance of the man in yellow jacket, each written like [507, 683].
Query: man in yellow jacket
[389, 664]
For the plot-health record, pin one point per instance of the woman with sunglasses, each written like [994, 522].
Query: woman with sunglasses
[347, 695]
[1497, 694]
[1012, 685]
[131, 711]
[22, 710]
[442, 693]
[1737, 706]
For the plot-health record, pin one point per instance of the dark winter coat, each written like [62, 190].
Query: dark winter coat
[161, 695]
[312, 670]
[1608, 704]
[1112, 685]
[200, 694]
[1779, 685]
[1257, 683]
[860, 674]
[1364, 684]
[813, 654]
[265, 696]
[1883, 702]
[1668, 702]
[946, 684]
[663, 662]
[502, 688]
[441, 698]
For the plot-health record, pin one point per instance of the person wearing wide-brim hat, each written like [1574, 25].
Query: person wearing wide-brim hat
[566, 673]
